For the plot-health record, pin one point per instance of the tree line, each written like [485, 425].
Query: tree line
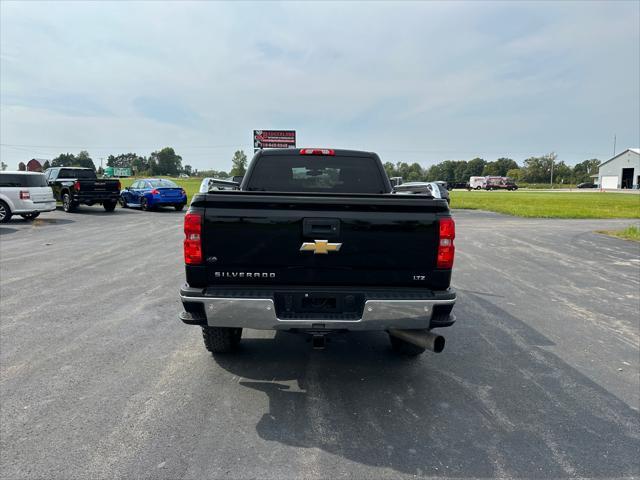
[533, 170]
[162, 162]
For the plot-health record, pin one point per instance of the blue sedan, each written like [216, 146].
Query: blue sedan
[150, 193]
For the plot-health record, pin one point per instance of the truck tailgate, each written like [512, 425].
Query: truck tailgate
[99, 186]
[321, 240]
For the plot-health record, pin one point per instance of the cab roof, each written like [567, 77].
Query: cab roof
[296, 151]
[21, 172]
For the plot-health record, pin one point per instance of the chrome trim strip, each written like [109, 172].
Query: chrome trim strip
[259, 314]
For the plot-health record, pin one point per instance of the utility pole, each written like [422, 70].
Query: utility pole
[552, 173]
[614, 145]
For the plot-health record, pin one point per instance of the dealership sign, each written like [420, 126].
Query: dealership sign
[274, 139]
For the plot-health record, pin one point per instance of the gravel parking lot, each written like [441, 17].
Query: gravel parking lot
[99, 379]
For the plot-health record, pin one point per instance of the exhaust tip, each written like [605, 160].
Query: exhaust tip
[421, 338]
[438, 344]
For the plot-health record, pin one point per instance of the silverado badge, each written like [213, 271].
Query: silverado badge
[320, 247]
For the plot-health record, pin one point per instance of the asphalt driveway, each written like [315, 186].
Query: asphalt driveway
[98, 378]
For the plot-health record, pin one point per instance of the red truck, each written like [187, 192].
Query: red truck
[500, 183]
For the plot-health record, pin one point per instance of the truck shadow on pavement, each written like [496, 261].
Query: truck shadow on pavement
[49, 221]
[493, 404]
[95, 210]
[159, 210]
[23, 225]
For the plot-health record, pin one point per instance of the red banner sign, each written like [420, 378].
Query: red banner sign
[274, 139]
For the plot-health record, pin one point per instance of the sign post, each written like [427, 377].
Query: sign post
[273, 139]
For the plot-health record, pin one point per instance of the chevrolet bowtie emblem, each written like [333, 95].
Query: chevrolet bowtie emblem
[320, 247]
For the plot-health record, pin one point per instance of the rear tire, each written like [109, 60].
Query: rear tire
[109, 206]
[405, 348]
[144, 204]
[5, 212]
[179, 207]
[221, 339]
[30, 216]
[68, 205]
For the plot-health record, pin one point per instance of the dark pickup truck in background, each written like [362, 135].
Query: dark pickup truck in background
[74, 186]
[316, 241]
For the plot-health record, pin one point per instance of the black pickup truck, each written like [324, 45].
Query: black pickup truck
[74, 186]
[316, 241]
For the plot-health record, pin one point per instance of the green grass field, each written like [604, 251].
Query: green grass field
[550, 204]
[520, 203]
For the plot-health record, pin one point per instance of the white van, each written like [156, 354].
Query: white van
[25, 194]
[477, 183]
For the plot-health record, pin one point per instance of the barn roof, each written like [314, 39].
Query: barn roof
[634, 150]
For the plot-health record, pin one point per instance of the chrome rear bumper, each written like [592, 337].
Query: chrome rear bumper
[260, 314]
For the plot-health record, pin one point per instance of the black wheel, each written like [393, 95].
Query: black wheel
[221, 339]
[123, 202]
[405, 348]
[5, 212]
[179, 207]
[68, 205]
[30, 216]
[144, 204]
[478, 188]
[110, 206]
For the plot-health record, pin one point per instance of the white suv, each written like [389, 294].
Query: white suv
[25, 194]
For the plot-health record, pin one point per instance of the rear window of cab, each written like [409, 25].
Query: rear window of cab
[78, 173]
[314, 173]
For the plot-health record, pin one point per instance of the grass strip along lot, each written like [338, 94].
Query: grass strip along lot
[550, 204]
[632, 232]
[520, 203]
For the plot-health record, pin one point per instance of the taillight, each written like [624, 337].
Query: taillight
[446, 249]
[155, 192]
[25, 195]
[76, 185]
[193, 239]
[317, 151]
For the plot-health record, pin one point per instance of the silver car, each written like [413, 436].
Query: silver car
[210, 183]
[25, 194]
[435, 189]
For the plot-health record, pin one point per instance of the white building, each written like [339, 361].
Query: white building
[621, 171]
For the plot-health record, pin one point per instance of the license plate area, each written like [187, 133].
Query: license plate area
[319, 305]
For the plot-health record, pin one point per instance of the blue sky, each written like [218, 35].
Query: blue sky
[415, 81]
